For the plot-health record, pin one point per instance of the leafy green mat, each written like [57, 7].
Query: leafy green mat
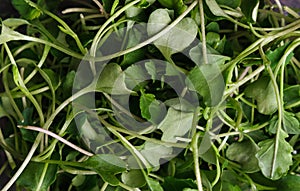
[150, 95]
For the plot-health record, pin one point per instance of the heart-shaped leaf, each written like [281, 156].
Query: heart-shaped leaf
[177, 39]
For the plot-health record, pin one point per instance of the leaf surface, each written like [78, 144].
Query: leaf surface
[262, 90]
[107, 166]
[275, 156]
[175, 124]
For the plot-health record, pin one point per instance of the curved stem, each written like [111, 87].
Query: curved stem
[150, 40]
[40, 135]
[196, 161]
[58, 138]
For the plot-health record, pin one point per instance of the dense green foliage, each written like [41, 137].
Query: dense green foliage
[149, 95]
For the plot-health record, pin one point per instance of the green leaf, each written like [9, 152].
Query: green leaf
[7, 107]
[107, 166]
[175, 124]
[290, 124]
[231, 181]
[31, 176]
[78, 180]
[291, 94]
[262, 90]
[208, 81]
[180, 104]
[107, 4]
[250, 9]
[15, 22]
[151, 69]
[67, 84]
[289, 183]
[112, 80]
[53, 78]
[174, 184]
[213, 56]
[153, 184]
[231, 3]
[152, 109]
[133, 178]
[244, 153]
[87, 130]
[135, 75]
[177, 5]
[274, 56]
[8, 34]
[26, 10]
[177, 39]
[154, 152]
[134, 37]
[275, 156]
[215, 8]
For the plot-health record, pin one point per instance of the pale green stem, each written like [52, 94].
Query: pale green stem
[75, 147]
[203, 35]
[196, 161]
[39, 137]
[150, 40]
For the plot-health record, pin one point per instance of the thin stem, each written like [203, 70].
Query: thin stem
[237, 84]
[280, 117]
[75, 147]
[42, 177]
[40, 135]
[103, 27]
[168, 144]
[150, 40]
[79, 10]
[203, 35]
[20, 83]
[104, 186]
[196, 160]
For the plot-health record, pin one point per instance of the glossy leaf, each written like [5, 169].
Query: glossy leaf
[289, 183]
[290, 124]
[262, 90]
[250, 9]
[275, 156]
[244, 153]
[31, 176]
